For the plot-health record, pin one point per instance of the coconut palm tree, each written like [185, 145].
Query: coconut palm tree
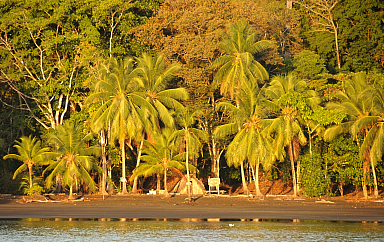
[30, 153]
[151, 71]
[364, 106]
[74, 157]
[160, 155]
[291, 100]
[123, 108]
[250, 144]
[238, 64]
[188, 139]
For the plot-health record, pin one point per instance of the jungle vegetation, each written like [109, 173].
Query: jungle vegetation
[97, 95]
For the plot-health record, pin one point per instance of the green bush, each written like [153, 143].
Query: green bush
[314, 180]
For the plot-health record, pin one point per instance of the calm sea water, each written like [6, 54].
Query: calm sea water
[186, 230]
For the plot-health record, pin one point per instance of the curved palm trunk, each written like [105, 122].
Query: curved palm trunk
[376, 193]
[134, 188]
[290, 151]
[256, 178]
[30, 175]
[245, 187]
[123, 178]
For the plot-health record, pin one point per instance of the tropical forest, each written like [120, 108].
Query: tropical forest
[126, 96]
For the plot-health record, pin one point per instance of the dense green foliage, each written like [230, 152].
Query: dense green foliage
[315, 179]
[104, 91]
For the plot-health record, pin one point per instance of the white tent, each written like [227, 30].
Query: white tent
[197, 186]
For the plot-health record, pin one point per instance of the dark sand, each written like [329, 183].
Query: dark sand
[204, 207]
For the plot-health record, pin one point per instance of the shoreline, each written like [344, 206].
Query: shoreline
[203, 208]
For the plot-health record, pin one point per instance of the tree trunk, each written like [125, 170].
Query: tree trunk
[158, 183]
[165, 181]
[298, 176]
[104, 163]
[188, 178]
[256, 178]
[337, 45]
[341, 188]
[123, 177]
[70, 192]
[376, 193]
[134, 188]
[290, 151]
[245, 187]
[364, 185]
[30, 175]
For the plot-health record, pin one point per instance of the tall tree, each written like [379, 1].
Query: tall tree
[151, 71]
[251, 143]
[74, 157]
[363, 104]
[30, 153]
[289, 98]
[123, 106]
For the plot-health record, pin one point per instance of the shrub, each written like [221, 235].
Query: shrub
[315, 180]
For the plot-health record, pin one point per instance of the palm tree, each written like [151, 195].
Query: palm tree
[250, 143]
[188, 138]
[159, 156]
[30, 153]
[364, 106]
[152, 73]
[238, 64]
[123, 108]
[74, 157]
[290, 99]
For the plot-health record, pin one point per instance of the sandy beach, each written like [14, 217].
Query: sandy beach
[203, 207]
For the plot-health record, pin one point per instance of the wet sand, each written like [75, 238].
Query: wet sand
[203, 207]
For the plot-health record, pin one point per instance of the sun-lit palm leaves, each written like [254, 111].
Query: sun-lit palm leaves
[124, 109]
[154, 76]
[375, 136]
[238, 65]
[30, 153]
[285, 93]
[364, 105]
[250, 144]
[119, 93]
[354, 101]
[160, 155]
[74, 157]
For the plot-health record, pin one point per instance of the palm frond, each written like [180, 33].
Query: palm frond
[332, 132]
[225, 130]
